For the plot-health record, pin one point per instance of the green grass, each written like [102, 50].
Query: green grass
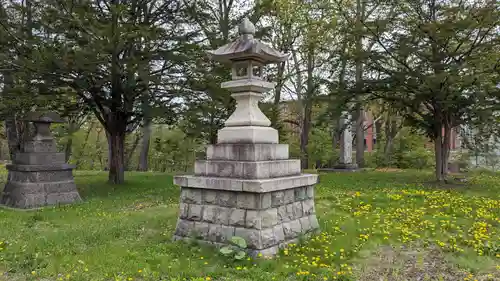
[376, 226]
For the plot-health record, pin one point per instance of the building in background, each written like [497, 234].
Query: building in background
[290, 119]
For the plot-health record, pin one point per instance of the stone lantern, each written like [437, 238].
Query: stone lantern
[39, 175]
[247, 186]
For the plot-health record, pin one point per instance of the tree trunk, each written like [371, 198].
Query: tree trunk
[446, 149]
[116, 140]
[130, 153]
[378, 133]
[360, 138]
[442, 153]
[84, 144]
[275, 112]
[143, 157]
[68, 148]
[439, 158]
[304, 135]
[390, 134]
[108, 138]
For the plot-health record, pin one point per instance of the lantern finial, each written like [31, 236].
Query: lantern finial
[246, 27]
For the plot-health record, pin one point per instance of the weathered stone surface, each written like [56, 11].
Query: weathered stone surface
[285, 213]
[269, 217]
[49, 167]
[27, 195]
[210, 197]
[237, 217]
[277, 198]
[40, 146]
[26, 158]
[251, 236]
[247, 169]
[308, 207]
[200, 230]
[184, 228]
[279, 234]
[45, 176]
[220, 233]
[222, 215]
[297, 210]
[247, 152]
[346, 141]
[191, 195]
[246, 200]
[292, 229]
[183, 210]
[310, 192]
[314, 222]
[268, 238]
[195, 212]
[264, 200]
[247, 185]
[227, 233]
[226, 198]
[209, 213]
[300, 193]
[305, 224]
[247, 134]
[253, 220]
[289, 196]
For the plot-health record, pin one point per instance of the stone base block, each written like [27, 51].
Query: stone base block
[341, 168]
[41, 158]
[265, 220]
[253, 185]
[247, 152]
[247, 134]
[247, 169]
[34, 189]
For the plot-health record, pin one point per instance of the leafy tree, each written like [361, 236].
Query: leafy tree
[435, 61]
[111, 54]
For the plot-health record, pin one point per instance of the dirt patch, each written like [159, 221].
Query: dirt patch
[398, 264]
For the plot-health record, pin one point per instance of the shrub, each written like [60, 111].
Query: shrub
[419, 158]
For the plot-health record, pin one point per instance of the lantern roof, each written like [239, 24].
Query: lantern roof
[43, 117]
[247, 47]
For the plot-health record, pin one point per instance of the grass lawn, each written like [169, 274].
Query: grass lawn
[376, 226]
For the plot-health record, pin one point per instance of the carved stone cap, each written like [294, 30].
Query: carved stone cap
[43, 117]
[247, 47]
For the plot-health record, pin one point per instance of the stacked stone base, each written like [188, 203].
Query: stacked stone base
[39, 177]
[267, 221]
[33, 189]
[248, 190]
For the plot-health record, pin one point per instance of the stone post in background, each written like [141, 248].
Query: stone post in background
[345, 156]
[247, 186]
[39, 175]
[344, 163]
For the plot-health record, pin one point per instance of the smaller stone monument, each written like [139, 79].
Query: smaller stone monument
[345, 158]
[39, 175]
